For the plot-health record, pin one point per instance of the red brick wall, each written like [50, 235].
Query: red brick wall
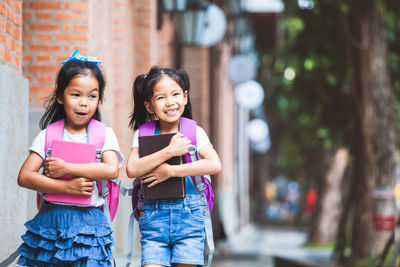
[52, 30]
[11, 33]
[121, 70]
[121, 33]
[196, 62]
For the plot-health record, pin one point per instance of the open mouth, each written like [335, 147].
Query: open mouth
[171, 111]
[81, 114]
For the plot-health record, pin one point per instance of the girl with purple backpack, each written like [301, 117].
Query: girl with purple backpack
[65, 234]
[172, 230]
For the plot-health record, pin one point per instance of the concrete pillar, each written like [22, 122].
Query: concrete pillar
[14, 99]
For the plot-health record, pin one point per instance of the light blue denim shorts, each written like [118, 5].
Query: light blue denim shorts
[173, 230]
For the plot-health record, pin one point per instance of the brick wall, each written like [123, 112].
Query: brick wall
[196, 62]
[10, 34]
[52, 30]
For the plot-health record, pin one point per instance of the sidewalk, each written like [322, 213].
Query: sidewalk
[257, 246]
[280, 244]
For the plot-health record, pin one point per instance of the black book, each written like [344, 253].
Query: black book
[173, 187]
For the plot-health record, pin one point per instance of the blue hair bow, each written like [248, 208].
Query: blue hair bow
[77, 56]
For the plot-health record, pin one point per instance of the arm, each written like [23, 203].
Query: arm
[107, 169]
[29, 177]
[209, 164]
[137, 167]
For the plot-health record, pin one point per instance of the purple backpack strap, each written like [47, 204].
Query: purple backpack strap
[147, 128]
[188, 129]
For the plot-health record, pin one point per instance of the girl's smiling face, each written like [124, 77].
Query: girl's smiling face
[168, 101]
[80, 100]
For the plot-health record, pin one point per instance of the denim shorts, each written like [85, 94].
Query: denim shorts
[173, 230]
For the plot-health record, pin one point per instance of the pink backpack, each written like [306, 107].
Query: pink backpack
[96, 135]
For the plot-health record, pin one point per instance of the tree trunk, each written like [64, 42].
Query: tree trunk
[373, 151]
[326, 217]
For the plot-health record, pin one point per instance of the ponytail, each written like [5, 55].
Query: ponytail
[184, 82]
[139, 114]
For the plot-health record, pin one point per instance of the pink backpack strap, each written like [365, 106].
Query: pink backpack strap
[54, 131]
[147, 128]
[108, 189]
[96, 133]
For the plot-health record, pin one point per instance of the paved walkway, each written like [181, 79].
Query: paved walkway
[263, 244]
[257, 246]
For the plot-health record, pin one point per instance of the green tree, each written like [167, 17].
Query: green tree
[330, 85]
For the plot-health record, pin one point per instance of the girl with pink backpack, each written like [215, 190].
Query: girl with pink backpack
[173, 231]
[70, 228]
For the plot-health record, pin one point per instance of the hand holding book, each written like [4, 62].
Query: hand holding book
[162, 185]
[179, 145]
[158, 175]
[80, 186]
[55, 167]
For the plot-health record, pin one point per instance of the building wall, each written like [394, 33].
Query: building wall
[13, 125]
[10, 34]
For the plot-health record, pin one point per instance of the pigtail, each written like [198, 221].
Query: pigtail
[184, 82]
[139, 114]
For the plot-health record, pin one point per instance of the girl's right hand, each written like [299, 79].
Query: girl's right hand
[179, 145]
[80, 186]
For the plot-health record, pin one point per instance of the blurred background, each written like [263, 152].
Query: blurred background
[300, 98]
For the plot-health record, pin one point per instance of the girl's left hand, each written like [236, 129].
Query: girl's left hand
[157, 175]
[55, 167]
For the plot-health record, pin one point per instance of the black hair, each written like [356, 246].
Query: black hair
[143, 91]
[69, 70]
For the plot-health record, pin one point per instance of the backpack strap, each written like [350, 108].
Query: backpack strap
[96, 135]
[147, 128]
[96, 132]
[54, 131]
[188, 129]
[131, 226]
[10, 259]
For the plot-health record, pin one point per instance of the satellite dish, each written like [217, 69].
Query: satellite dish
[214, 28]
[241, 68]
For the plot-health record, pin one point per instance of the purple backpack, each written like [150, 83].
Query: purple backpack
[109, 189]
[203, 184]
[188, 129]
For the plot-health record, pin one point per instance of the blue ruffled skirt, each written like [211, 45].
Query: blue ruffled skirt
[67, 236]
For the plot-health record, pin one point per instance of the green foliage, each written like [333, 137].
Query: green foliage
[330, 245]
[315, 110]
